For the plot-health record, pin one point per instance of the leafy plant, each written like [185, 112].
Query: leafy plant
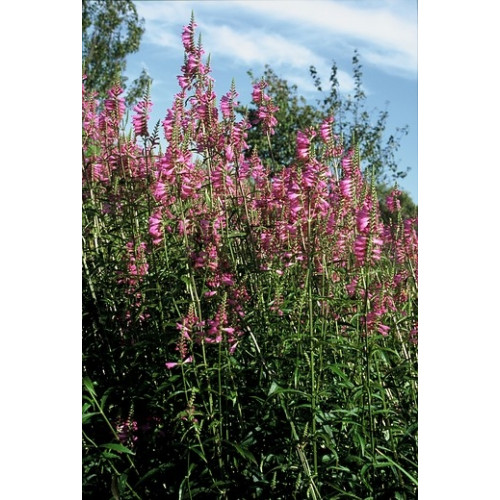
[245, 328]
[111, 29]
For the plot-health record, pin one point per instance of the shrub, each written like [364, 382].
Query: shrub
[243, 331]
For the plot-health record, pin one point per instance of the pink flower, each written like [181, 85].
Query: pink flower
[140, 119]
[188, 36]
[346, 188]
[171, 365]
[184, 81]
[351, 287]
[326, 129]
[414, 334]
[114, 104]
[258, 92]
[392, 201]
[127, 431]
[227, 279]
[303, 144]
[360, 245]
[266, 110]
[362, 219]
[155, 229]
[227, 103]
[229, 153]
[159, 191]
[383, 329]
[376, 248]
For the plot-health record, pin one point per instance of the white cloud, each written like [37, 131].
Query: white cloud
[346, 81]
[256, 46]
[158, 35]
[292, 35]
[377, 25]
[395, 62]
[259, 47]
[166, 12]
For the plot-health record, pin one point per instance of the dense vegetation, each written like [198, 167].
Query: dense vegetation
[248, 332]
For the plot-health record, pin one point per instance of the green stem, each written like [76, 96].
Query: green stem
[367, 368]
[312, 370]
[113, 430]
[112, 465]
[312, 339]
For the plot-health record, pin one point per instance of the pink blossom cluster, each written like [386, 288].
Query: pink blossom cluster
[208, 194]
[127, 431]
[141, 117]
[137, 267]
[266, 108]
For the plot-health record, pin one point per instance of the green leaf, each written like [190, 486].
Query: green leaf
[275, 388]
[89, 385]
[160, 468]
[87, 416]
[407, 474]
[199, 453]
[104, 398]
[244, 452]
[117, 447]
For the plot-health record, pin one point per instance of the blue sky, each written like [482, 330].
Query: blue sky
[290, 36]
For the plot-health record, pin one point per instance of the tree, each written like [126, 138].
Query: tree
[293, 114]
[353, 122]
[111, 29]
[408, 207]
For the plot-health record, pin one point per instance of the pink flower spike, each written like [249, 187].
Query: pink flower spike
[326, 129]
[227, 279]
[229, 153]
[362, 219]
[188, 36]
[346, 188]
[171, 365]
[383, 329]
[302, 145]
[140, 119]
[392, 201]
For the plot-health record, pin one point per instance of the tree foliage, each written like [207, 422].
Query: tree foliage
[111, 30]
[293, 114]
[408, 208]
[354, 124]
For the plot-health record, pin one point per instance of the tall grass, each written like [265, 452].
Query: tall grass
[249, 330]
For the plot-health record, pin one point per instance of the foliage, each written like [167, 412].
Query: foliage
[353, 123]
[407, 209]
[244, 328]
[111, 29]
[293, 114]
